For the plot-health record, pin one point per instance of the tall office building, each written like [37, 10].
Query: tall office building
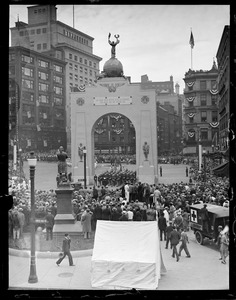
[45, 34]
[200, 109]
[223, 61]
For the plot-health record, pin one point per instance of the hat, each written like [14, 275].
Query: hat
[204, 204]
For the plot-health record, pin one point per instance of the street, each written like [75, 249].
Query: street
[203, 271]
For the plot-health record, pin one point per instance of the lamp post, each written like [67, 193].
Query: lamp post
[84, 152]
[20, 163]
[32, 161]
[204, 156]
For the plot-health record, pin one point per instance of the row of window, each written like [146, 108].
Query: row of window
[75, 37]
[204, 135]
[85, 70]
[29, 84]
[33, 31]
[203, 100]
[43, 122]
[81, 60]
[214, 117]
[203, 85]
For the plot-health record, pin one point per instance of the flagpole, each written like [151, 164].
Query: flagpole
[191, 51]
[73, 17]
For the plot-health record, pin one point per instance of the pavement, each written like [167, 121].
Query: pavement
[203, 271]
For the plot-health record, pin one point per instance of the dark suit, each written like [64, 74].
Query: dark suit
[174, 240]
[66, 250]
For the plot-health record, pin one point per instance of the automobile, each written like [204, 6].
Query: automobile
[218, 215]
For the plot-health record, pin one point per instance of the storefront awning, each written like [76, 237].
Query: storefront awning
[222, 170]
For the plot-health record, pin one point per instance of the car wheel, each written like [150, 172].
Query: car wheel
[199, 237]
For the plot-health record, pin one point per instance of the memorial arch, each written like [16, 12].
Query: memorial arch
[113, 93]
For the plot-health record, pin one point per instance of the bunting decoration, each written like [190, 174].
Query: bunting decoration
[214, 124]
[99, 131]
[58, 115]
[191, 115]
[214, 91]
[81, 88]
[190, 99]
[191, 134]
[190, 83]
[118, 131]
[116, 117]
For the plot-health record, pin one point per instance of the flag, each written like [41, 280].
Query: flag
[191, 41]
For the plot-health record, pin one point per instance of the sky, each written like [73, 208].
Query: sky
[154, 39]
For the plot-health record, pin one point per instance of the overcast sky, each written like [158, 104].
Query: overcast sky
[154, 39]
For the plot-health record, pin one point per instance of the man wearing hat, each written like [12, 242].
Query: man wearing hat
[49, 225]
[169, 229]
[66, 250]
[204, 217]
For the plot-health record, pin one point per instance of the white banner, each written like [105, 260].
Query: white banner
[112, 100]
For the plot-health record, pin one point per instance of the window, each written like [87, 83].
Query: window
[11, 70]
[58, 101]
[27, 72]
[76, 67]
[90, 63]
[27, 59]
[86, 80]
[90, 81]
[38, 31]
[71, 76]
[58, 90]
[76, 58]
[12, 56]
[213, 84]
[57, 68]
[44, 30]
[80, 60]
[190, 88]
[70, 65]
[43, 76]
[28, 96]
[90, 73]
[94, 65]
[203, 99]
[214, 116]
[43, 87]
[43, 64]
[32, 44]
[191, 120]
[85, 61]
[81, 69]
[43, 99]
[213, 99]
[38, 46]
[86, 71]
[57, 79]
[28, 84]
[76, 77]
[203, 116]
[81, 79]
[44, 45]
[190, 104]
[204, 134]
[70, 56]
[202, 84]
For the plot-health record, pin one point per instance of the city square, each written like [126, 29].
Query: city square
[128, 179]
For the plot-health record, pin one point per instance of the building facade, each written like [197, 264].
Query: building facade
[201, 110]
[45, 34]
[223, 61]
[36, 100]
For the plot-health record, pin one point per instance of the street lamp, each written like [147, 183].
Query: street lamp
[32, 161]
[204, 155]
[84, 152]
[20, 163]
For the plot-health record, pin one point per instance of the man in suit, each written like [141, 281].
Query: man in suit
[66, 250]
[174, 240]
[49, 225]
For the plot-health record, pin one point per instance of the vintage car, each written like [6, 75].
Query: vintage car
[218, 215]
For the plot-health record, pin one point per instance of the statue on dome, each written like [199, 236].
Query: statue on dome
[113, 44]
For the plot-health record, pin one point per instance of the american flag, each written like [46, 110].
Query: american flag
[191, 41]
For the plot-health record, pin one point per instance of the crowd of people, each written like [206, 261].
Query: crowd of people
[116, 176]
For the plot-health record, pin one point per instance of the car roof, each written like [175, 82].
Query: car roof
[218, 210]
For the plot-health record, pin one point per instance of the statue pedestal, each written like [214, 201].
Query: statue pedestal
[65, 221]
[146, 173]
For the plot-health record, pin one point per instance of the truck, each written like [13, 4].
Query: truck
[218, 215]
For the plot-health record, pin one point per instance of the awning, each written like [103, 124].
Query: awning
[222, 170]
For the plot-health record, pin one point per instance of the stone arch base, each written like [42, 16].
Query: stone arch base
[114, 95]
